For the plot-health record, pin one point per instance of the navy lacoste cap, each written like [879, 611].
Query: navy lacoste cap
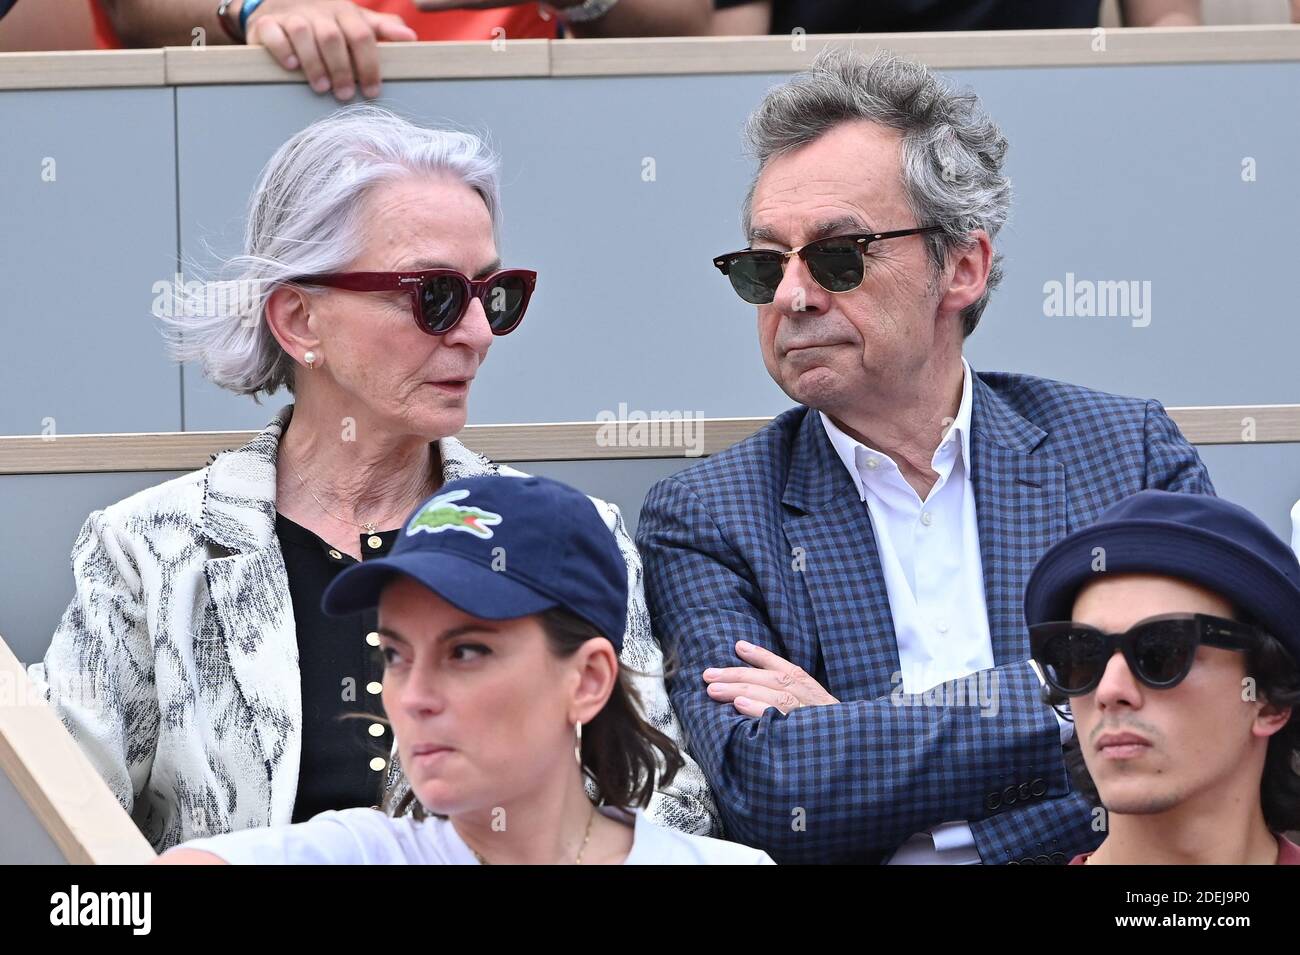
[498, 548]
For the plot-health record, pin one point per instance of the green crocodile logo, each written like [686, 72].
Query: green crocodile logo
[440, 514]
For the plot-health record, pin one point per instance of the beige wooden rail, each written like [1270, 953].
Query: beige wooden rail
[176, 66]
[64, 792]
[568, 441]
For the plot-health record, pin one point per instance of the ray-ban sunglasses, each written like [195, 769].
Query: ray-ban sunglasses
[440, 297]
[836, 263]
[1159, 650]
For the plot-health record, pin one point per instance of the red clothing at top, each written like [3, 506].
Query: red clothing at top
[520, 22]
[1288, 853]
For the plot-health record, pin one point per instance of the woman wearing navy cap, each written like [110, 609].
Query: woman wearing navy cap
[501, 617]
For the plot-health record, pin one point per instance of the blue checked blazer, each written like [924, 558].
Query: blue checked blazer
[723, 542]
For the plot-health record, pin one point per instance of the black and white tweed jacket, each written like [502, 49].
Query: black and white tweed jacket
[176, 665]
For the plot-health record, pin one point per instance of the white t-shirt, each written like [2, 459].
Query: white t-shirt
[370, 837]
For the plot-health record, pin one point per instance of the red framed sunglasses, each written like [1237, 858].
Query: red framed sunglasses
[440, 297]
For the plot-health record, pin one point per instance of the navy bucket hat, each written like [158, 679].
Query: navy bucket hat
[1195, 537]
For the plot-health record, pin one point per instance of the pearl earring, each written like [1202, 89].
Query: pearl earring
[310, 359]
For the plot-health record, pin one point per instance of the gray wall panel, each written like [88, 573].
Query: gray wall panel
[1136, 174]
[1104, 190]
[23, 841]
[79, 257]
[1262, 477]
[624, 483]
[42, 515]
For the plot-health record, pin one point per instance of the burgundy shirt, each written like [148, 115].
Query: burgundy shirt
[1288, 853]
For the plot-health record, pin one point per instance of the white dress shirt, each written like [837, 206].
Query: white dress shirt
[370, 837]
[930, 557]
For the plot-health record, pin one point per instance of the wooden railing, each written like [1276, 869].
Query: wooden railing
[71, 802]
[179, 66]
[567, 441]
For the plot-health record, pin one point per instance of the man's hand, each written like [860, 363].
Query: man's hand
[334, 41]
[766, 681]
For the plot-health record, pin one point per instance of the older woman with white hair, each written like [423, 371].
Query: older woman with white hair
[213, 689]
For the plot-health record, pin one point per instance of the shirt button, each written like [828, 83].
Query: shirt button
[374, 542]
[873, 463]
[372, 638]
[374, 688]
[377, 763]
[942, 627]
[336, 555]
[927, 518]
[376, 729]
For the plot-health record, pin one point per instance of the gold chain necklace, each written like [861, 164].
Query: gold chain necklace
[585, 839]
[368, 526]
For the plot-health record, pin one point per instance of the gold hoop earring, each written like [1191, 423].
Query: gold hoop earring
[310, 359]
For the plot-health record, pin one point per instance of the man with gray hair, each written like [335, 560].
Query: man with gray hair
[842, 591]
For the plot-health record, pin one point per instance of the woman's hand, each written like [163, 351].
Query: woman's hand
[335, 42]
